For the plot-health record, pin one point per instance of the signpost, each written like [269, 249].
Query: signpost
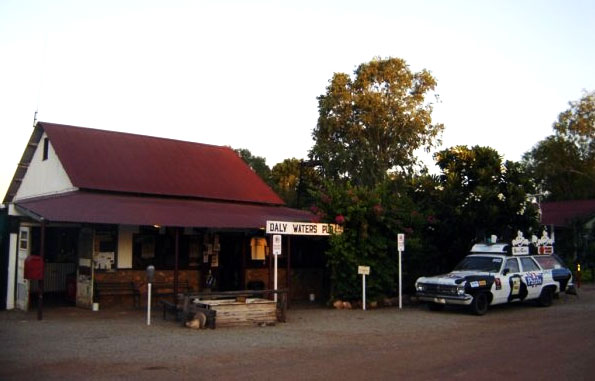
[276, 252]
[401, 248]
[363, 271]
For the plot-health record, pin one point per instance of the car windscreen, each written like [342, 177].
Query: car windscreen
[485, 264]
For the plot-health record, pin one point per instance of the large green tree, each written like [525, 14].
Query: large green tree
[563, 164]
[371, 123]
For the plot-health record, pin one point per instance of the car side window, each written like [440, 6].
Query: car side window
[529, 264]
[512, 265]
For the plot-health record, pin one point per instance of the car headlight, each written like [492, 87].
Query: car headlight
[461, 290]
[420, 287]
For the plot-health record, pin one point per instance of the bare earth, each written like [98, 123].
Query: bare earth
[510, 342]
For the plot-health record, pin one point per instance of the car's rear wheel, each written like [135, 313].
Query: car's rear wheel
[479, 304]
[546, 298]
[435, 306]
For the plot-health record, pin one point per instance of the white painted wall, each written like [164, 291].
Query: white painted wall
[125, 246]
[44, 177]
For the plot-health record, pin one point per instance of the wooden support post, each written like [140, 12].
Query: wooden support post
[176, 264]
[288, 271]
[40, 282]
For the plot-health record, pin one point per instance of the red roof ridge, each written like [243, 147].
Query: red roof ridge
[134, 135]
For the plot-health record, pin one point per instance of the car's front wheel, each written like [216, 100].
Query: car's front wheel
[479, 304]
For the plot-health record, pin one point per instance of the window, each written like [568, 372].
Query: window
[548, 262]
[24, 241]
[487, 264]
[529, 264]
[512, 265]
[46, 146]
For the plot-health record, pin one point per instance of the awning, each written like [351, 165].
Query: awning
[105, 208]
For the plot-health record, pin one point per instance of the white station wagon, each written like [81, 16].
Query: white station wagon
[490, 276]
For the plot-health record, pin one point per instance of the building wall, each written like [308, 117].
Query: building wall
[44, 177]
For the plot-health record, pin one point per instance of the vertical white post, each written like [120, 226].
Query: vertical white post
[400, 284]
[275, 279]
[363, 292]
[149, 304]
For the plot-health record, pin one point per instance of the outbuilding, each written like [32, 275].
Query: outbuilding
[100, 206]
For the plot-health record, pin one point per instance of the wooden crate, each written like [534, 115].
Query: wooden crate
[231, 312]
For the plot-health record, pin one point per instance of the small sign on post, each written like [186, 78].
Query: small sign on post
[363, 271]
[401, 248]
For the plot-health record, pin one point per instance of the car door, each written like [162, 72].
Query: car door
[532, 277]
[508, 287]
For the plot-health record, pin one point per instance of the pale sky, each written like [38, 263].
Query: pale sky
[247, 73]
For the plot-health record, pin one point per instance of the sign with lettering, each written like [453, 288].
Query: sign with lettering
[363, 270]
[277, 244]
[302, 228]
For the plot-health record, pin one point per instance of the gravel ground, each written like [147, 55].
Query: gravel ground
[516, 341]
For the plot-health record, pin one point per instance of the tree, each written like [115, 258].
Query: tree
[371, 124]
[563, 164]
[475, 196]
[294, 180]
[257, 163]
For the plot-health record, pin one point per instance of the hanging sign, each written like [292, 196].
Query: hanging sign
[302, 228]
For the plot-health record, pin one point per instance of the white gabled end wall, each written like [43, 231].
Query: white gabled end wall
[44, 177]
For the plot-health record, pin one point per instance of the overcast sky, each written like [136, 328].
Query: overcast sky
[247, 73]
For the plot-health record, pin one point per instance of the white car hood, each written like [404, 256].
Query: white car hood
[450, 278]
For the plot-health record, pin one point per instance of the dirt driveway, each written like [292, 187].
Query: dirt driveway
[512, 342]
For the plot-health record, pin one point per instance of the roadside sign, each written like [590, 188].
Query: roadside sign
[401, 242]
[277, 244]
[363, 271]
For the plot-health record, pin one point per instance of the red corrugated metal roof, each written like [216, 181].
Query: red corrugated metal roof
[122, 162]
[560, 213]
[105, 208]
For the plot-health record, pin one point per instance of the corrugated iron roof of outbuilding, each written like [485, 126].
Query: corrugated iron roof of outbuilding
[561, 213]
[123, 162]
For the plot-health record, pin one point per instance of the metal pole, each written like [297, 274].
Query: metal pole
[275, 279]
[149, 304]
[400, 284]
[363, 292]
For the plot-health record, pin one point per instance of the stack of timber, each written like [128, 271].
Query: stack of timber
[248, 311]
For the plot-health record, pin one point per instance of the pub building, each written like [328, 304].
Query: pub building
[97, 207]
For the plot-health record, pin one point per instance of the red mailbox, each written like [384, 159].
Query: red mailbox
[34, 267]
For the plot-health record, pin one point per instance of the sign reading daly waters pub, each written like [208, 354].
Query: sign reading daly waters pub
[302, 228]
